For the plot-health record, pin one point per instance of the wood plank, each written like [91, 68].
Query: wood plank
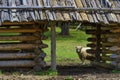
[17, 23]
[94, 14]
[108, 58]
[117, 39]
[40, 11]
[5, 12]
[13, 12]
[116, 30]
[19, 63]
[93, 45]
[31, 13]
[21, 46]
[83, 15]
[66, 15]
[20, 30]
[104, 65]
[54, 3]
[115, 48]
[9, 56]
[53, 46]
[93, 39]
[95, 31]
[18, 38]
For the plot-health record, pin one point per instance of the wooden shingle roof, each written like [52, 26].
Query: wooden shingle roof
[20, 15]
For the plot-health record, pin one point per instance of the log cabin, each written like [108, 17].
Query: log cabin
[23, 23]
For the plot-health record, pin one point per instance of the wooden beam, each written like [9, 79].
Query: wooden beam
[21, 46]
[19, 63]
[9, 56]
[19, 30]
[104, 65]
[17, 23]
[98, 36]
[18, 38]
[53, 46]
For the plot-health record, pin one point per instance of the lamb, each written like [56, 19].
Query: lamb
[83, 54]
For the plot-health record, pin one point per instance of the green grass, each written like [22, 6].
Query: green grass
[66, 45]
[116, 71]
[47, 72]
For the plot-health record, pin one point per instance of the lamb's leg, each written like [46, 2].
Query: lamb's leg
[83, 61]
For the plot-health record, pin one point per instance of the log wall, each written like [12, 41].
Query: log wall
[105, 44]
[21, 46]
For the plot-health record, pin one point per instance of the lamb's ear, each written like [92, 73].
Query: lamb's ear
[81, 47]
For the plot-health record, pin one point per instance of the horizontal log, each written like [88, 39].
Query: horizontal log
[9, 56]
[92, 39]
[117, 39]
[19, 63]
[115, 48]
[17, 23]
[115, 63]
[43, 46]
[104, 65]
[115, 55]
[21, 46]
[107, 51]
[93, 45]
[110, 35]
[19, 30]
[44, 37]
[95, 32]
[116, 30]
[107, 58]
[18, 38]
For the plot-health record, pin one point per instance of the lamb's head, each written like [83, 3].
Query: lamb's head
[78, 49]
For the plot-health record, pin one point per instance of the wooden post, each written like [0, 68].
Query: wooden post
[98, 35]
[53, 46]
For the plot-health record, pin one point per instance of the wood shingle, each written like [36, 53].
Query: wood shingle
[20, 15]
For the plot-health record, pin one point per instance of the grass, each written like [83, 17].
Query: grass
[66, 45]
[47, 72]
[116, 71]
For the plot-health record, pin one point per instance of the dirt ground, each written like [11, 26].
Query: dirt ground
[66, 72]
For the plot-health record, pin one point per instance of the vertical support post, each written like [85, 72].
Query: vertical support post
[53, 46]
[98, 36]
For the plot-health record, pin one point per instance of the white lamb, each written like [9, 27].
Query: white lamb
[83, 54]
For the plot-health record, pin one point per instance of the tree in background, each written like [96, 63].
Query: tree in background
[64, 29]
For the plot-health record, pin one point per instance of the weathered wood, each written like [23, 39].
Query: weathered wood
[98, 42]
[83, 15]
[93, 45]
[17, 63]
[9, 56]
[53, 46]
[116, 30]
[13, 12]
[21, 46]
[19, 30]
[59, 16]
[93, 39]
[17, 23]
[94, 32]
[104, 65]
[39, 66]
[18, 38]
[117, 39]
[115, 48]
[108, 58]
